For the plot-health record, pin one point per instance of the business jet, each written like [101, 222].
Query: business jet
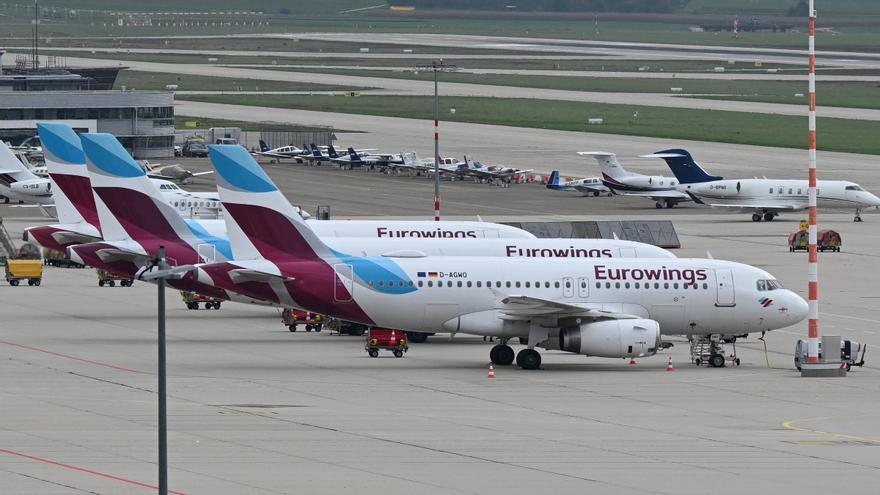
[586, 186]
[621, 181]
[18, 183]
[763, 198]
[595, 307]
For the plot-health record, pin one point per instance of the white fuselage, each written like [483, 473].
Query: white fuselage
[724, 297]
[777, 194]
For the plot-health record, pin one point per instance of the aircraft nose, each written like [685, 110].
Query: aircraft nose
[798, 309]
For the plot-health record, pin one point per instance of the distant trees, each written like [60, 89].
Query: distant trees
[554, 5]
[801, 9]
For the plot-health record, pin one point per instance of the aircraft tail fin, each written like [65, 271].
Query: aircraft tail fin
[66, 164]
[355, 156]
[316, 152]
[683, 166]
[13, 168]
[263, 146]
[554, 179]
[331, 152]
[261, 222]
[608, 164]
[130, 206]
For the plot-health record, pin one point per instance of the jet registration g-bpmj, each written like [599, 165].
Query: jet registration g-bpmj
[596, 307]
[586, 186]
[763, 198]
[620, 181]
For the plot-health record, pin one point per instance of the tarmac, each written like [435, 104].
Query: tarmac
[255, 409]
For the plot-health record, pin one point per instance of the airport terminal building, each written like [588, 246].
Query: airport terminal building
[142, 120]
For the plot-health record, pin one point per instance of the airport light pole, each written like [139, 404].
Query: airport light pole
[163, 392]
[437, 66]
[812, 232]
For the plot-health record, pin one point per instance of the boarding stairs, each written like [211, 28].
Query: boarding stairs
[7, 248]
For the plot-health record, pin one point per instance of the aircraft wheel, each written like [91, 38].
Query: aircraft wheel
[670, 204]
[857, 219]
[658, 206]
[528, 359]
[595, 193]
[716, 360]
[698, 362]
[768, 217]
[756, 217]
[502, 355]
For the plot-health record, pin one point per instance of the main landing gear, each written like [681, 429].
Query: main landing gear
[768, 216]
[503, 355]
[669, 204]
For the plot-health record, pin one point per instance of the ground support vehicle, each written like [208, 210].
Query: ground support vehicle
[292, 317]
[59, 259]
[18, 270]
[709, 350]
[193, 299]
[388, 339]
[342, 327]
[108, 278]
[852, 353]
[826, 240]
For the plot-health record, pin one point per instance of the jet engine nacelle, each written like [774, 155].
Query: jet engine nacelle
[612, 338]
[648, 181]
[34, 187]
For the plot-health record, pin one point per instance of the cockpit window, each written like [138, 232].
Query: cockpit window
[854, 188]
[765, 285]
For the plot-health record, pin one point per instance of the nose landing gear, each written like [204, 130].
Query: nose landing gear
[858, 215]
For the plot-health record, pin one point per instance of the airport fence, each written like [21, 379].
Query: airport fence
[660, 233]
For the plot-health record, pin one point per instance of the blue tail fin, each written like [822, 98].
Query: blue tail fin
[331, 152]
[554, 179]
[355, 157]
[315, 151]
[686, 170]
[263, 146]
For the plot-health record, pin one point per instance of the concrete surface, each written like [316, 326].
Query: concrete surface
[256, 409]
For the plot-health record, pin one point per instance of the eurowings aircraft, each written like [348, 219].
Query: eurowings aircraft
[586, 186]
[763, 198]
[596, 307]
[621, 181]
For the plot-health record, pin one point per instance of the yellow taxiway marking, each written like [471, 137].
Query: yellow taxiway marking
[790, 425]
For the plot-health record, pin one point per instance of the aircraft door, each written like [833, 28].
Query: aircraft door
[726, 296]
[567, 287]
[583, 287]
[343, 282]
[628, 252]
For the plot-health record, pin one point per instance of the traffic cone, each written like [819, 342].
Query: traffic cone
[491, 371]
[632, 361]
[669, 364]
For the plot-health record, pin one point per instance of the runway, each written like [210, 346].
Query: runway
[545, 150]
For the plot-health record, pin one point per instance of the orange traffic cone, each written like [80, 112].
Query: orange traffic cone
[491, 371]
[632, 361]
[669, 364]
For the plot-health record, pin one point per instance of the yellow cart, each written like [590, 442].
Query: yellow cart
[18, 270]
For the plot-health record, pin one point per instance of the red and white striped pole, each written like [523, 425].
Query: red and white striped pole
[436, 145]
[813, 266]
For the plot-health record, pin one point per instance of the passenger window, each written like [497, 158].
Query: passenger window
[546, 285]
[626, 285]
[469, 283]
[636, 284]
[705, 285]
[789, 190]
[430, 283]
[675, 285]
[556, 284]
[508, 285]
[567, 285]
[498, 284]
[517, 285]
[598, 285]
[607, 285]
[771, 190]
[381, 283]
[421, 284]
[656, 285]
[616, 285]
[665, 285]
[528, 285]
[479, 284]
[459, 283]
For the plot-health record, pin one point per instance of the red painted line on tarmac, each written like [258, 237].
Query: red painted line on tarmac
[67, 356]
[85, 470]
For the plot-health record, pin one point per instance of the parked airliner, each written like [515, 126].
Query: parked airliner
[597, 307]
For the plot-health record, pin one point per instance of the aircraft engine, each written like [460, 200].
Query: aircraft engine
[36, 187]
[612, 338]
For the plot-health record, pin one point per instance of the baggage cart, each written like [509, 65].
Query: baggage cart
[292, 317]
[798, 241]
[59, 259]
[193, 299]
[18, 270]
[828, 240]
[385, 338]
[110, 278]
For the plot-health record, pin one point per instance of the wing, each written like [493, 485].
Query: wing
[656, 195]
[758, 207]
[202, 173]
[527, 307]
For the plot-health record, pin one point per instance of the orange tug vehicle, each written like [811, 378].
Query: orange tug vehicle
[384, 338]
